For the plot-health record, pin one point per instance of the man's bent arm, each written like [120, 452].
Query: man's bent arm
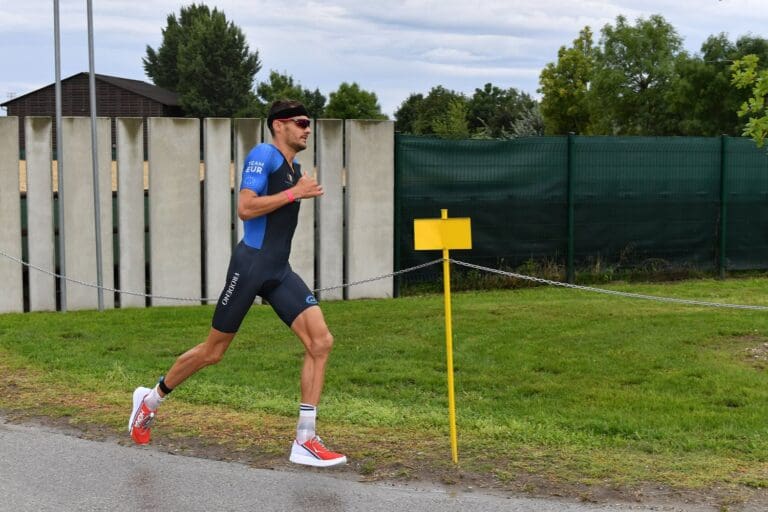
[251, 205]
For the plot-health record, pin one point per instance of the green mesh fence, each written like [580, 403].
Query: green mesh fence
[646, 198]
[514, 192]
[579, 201]
[746, 205]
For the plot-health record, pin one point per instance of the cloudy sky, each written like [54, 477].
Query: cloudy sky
[393, 48]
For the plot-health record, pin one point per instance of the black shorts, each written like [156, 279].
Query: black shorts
[252, 273]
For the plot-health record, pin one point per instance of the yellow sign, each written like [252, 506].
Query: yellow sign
[438, 234]
[444, 234]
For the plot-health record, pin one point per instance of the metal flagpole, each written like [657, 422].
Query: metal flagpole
[95, 158]
[59, 157]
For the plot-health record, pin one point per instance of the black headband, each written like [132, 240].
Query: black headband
[287, 113]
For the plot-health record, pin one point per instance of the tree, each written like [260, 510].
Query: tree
[453, 125]
[281, 86]
[634, 67]
[529, 124]
[437, 113]
[351, 102]
[205, 58]
[434, 109]
[699, 93]
[492, 112]
[408, 112]
[564, 87]
[702, 95]
[747, 75]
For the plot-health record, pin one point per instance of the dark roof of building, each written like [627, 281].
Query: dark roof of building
[145, 89]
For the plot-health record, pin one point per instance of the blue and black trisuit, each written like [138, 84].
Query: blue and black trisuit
[259, 263]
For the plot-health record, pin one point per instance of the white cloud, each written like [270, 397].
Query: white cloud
[451, 54]
[391, 47]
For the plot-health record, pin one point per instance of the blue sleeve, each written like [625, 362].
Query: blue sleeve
[259, 164]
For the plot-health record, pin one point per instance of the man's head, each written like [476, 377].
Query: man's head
[288, 122]
[285, 109]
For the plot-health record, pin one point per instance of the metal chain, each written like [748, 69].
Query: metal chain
[391, 274]
[92, 285]
[610, 292]
[188, 299]
[417, 267]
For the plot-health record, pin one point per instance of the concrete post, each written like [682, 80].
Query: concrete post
[174, 209]
[130, 194]
[218, 204]
[330, 207]
[370, 150]
[12, 296]
[40, 239]
[80, 240]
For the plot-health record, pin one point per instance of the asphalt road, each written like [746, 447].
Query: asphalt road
[42, 469]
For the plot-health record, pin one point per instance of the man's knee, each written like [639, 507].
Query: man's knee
[212, 358]
[215, 347]
[321, 345]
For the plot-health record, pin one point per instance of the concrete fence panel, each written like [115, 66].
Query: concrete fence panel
[12, 296]
[104, 129]
[130, 200]
[218, 204]
[344, 235]
[40, 238]
[79, 227]
[370, 150]
[330, 207]
[174, 209]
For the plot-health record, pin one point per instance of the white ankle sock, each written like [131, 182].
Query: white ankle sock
[153, 399]
[305, 429]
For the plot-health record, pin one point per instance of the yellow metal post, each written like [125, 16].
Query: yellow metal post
[449, 348]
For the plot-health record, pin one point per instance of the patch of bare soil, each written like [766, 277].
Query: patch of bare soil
[758, 354]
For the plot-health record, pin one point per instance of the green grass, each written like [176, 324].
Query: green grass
[567, 385]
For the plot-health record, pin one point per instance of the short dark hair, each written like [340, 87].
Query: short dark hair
[288, 107]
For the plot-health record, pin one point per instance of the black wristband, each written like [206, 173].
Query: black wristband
[161, 384]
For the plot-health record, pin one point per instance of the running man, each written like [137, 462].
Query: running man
[271, 186]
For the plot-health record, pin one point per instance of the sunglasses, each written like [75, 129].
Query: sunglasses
[301, 123]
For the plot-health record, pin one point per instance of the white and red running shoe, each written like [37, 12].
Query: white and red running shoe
[314, 453]
[142, 418]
